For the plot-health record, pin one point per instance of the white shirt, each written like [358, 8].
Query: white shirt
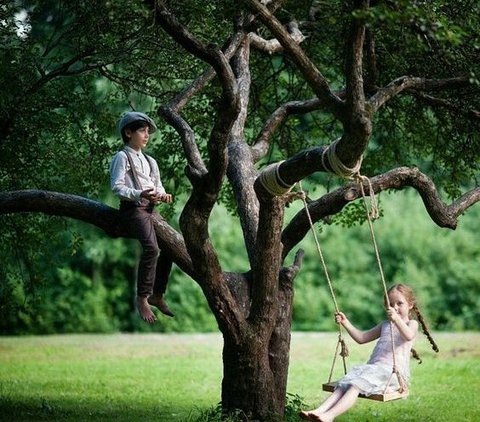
[121, 178]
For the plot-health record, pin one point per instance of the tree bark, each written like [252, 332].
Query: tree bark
[250, 383]
[255, 369]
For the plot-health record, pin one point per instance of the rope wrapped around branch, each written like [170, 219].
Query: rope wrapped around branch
[353, 173]
[336, 165]
[272, 182]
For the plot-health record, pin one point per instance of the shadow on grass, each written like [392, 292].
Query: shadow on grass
[65, 410]
[41, 409]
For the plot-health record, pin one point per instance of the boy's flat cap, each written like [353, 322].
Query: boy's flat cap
[133, 116]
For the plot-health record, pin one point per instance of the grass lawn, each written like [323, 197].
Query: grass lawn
[146, 377]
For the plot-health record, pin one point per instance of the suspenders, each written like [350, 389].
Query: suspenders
[136, 180]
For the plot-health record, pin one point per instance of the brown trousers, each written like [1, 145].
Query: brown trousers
[154, 266]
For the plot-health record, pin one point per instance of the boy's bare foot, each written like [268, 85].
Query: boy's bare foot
[144, 310]
[159, 302]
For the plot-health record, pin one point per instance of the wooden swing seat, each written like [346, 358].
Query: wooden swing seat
[393, 395]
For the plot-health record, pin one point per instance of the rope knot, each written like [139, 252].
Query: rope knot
[344, 352]
[401, 382]
[353, 173]
[373, 212]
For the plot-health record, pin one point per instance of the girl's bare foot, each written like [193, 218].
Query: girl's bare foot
[309, 416]
[144, 310]
[159, 302]
[323, 417]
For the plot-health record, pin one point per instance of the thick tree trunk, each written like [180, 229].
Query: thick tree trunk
[249, 381]
[256, 366]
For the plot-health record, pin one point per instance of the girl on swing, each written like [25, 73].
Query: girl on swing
[372, 378]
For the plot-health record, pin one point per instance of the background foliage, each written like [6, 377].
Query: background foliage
[89, 286]
[70, 68]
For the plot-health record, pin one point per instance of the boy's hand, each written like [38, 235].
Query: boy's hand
[154, 197]
[165, 197]
[149, 194]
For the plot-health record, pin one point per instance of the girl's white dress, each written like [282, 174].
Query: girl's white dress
[372, 377]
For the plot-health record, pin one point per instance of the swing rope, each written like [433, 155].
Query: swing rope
[354, 173]
[371, 214]
[272, 182]
[341, 342]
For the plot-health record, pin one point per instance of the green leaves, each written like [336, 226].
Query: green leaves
[79, 65]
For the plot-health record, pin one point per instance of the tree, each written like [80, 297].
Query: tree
[394, 81]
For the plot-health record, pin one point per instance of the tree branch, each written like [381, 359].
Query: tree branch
[181, 99]
[267, 264]
[473, 115]
[353, 66]
[404, 83]
[371, 59]
[262, 143]
[229, 102]
[273, 45]
[241, 171]
[196, 166]
[314, 78]
[95, 213]
[330, 204]
[171, 112]
[209, 54]
[357, 122]
[63, 70]
[197, 210]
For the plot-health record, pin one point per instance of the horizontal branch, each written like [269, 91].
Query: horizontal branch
[92, 212]
[404, 83]
[64, 70]
[61, 205]
[473, 115]
[330, 204]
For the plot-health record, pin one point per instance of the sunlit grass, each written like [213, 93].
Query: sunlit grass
[132, 377]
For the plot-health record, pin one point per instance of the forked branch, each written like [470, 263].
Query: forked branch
[312, 75]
